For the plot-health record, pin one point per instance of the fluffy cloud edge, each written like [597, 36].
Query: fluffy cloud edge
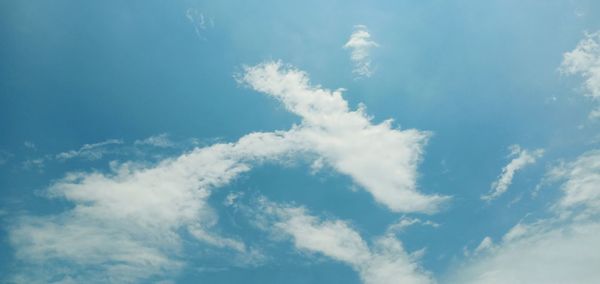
[380, 158]
[584, 60]
[360, 46]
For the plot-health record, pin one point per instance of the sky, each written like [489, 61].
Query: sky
[301, 142]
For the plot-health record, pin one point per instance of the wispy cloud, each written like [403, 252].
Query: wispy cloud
[360, 45]
[34, 164]
[161, 140]
[521, 159]
[383, 261]
[485, 244]
[89, 151]
[406, 222]
[199, 21]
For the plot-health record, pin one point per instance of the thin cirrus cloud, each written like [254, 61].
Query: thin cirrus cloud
[584, 60]
[521, 159]
[559, 249]
[199, 21]
[89, 151]
[161, 141]
[127, 224]
[383, 261]
[360, 45]
[405, 222]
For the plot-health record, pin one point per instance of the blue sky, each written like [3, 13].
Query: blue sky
[306, 142]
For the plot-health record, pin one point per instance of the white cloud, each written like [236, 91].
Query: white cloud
[485, 244]
[516, 232]
[384, 261]
[145, 209]
[560, 249]
[585, 61]
[161, 140]
[216, 240]
[581, 188]
[85, 249]
[360, 45]
[406, 222]
[89, 151]
[126, 224]
[521, 159]
[380, 158]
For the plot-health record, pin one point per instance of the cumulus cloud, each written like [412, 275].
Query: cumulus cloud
[521, 158]
[128, 224]
[383, 261]
[560, 249]
[379, 157]
[89, 151]
[585, 61]
[360, 45]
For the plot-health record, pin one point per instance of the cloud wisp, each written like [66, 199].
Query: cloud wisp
[521, 159]
[89, 151]
[360, 46]
[160, 140]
